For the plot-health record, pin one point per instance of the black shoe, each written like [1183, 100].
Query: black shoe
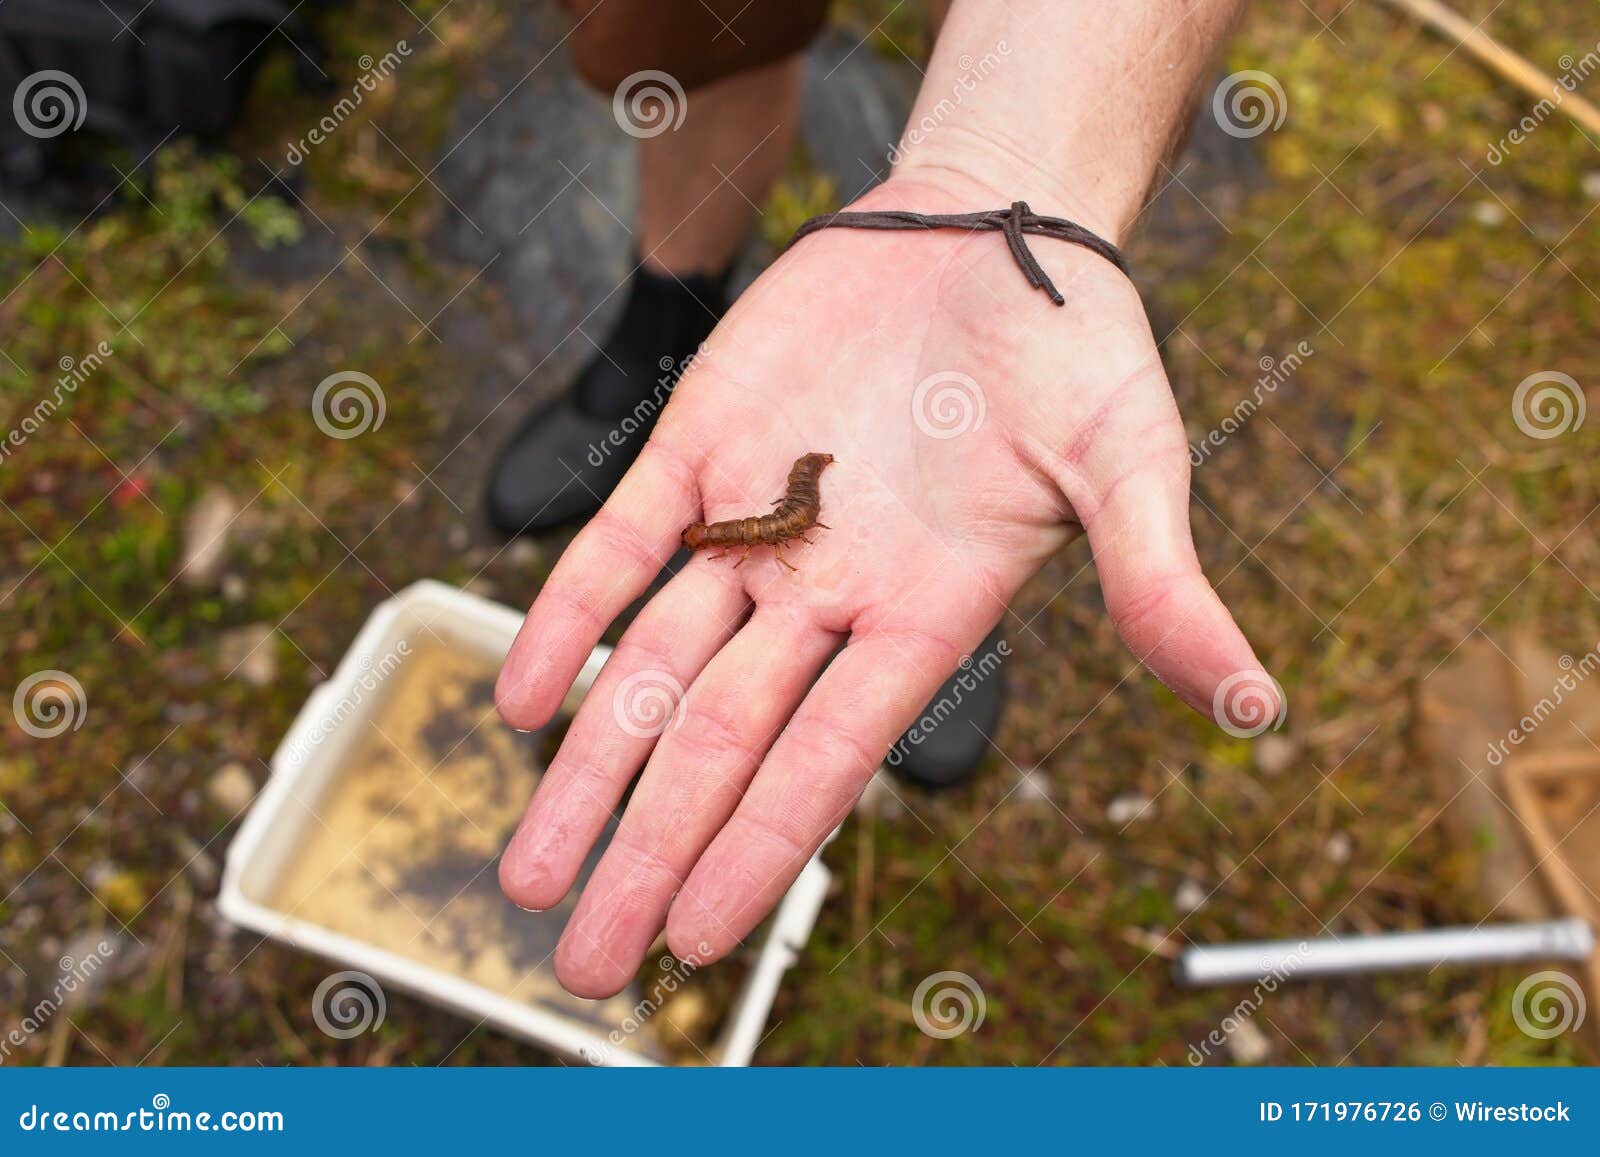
[564, 460]
[947, 742]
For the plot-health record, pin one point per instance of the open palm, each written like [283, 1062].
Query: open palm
[976, 428]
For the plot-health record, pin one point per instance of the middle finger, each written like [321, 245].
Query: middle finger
[631, 703]
[693, 782]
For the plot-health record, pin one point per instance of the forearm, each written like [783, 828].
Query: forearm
[1071, 105]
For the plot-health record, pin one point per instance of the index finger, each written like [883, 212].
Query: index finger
[609, 564]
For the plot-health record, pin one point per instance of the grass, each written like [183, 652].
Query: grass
[1379, 507]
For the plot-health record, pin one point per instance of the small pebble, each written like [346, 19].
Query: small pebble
[197, 861]
[685, 1013]
[1489, 213]
[1248, 1045]
[205, 536]
[1338, 848]
[1274, 753]
[881, 799]
[1033, 787]
[1189, 896]
[249, 653]
[231, 788]
[1125, 809]
[183, 713]
[1591, 185]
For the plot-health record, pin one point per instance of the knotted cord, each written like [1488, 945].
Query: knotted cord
[1014, 222]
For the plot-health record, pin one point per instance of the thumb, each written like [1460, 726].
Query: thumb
[1163, 607]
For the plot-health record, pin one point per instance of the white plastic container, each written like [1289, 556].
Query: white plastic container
[317, 749]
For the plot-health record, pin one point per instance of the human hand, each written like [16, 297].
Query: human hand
[937, 517]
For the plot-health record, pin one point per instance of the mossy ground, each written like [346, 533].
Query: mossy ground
[1380, 507]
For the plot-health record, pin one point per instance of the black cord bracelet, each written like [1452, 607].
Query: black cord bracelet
[1013, 222]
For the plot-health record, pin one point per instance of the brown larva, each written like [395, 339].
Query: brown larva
[796, 513]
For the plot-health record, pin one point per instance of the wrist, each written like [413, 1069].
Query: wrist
[1070, 105]
[984, 171]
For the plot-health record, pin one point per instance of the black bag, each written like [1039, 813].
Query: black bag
[140, 72]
